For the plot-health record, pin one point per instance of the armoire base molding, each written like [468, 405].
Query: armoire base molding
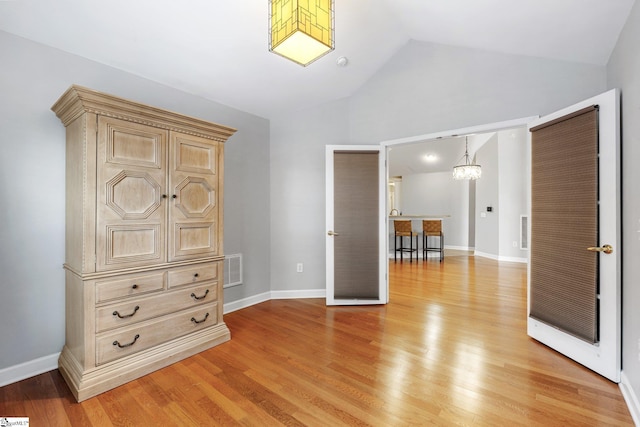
[90, 383]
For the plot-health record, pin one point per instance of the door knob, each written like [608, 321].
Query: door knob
[332, 233]
[607, 249]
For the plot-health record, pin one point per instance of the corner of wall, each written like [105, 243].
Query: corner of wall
[630, 397]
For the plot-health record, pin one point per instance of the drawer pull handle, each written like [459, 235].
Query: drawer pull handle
[196, 275]
[134, 286]
[193, 319]
[202, 297]
[115, 313]
[127, 345]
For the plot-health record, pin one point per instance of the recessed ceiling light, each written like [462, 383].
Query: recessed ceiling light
[342, 61]
[430, 158]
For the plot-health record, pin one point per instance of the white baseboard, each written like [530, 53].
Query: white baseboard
[513, 259]
[310, 293]
[499, 258]
[246, 302]
[266, 296]
[29, 369]
[459, 248]
[486, 255]
[630, 397]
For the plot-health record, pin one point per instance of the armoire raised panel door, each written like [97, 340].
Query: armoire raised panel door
[194, 211]
[144, 239]
[131, 203]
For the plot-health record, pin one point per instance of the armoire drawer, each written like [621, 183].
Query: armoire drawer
[108, 290]
[125, 341]
[193, 274]
[136, 310]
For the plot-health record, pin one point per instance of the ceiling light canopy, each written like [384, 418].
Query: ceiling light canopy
[468, 170]
[430, 158]
[301, 30]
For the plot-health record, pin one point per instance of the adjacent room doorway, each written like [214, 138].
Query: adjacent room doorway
[603, 353]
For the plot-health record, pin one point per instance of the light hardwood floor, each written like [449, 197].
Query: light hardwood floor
[449, 349]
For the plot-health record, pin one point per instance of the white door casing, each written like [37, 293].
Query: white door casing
[331, 233]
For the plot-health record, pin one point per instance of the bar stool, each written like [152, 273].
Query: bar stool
[402, 228]
[432, 228]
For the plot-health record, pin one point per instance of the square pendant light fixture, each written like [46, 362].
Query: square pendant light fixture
[301, 30]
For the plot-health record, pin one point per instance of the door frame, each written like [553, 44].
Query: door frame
[383, 285]
[485, 128]
[383, 228]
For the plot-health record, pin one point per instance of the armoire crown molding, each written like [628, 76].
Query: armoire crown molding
[78, 100]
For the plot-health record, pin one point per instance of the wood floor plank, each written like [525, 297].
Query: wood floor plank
[79, 415]
[41, 398]
[449, 349]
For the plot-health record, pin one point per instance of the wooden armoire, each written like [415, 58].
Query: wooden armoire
[144, 255]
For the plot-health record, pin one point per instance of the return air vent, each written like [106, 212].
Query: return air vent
[524, 232]
[232, 270]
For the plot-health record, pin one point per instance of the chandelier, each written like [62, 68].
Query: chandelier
[301, 30]
[468, 170]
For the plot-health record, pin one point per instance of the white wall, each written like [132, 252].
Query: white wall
[623, 72]
[32, 170]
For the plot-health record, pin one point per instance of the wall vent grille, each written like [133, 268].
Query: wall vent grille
[524, 232]
[232, 270]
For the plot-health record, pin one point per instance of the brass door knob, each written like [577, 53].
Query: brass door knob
[332, 233]
[607, 249]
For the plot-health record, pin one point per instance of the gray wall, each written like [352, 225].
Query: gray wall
[428, 88]
[513, 190]
[424, 88]
[487, 195]
[32, 164]
[298, 143]
[438, 194]
[503, 186]
[623, 72]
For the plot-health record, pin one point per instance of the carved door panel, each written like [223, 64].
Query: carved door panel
[194, 216]
[131, 206]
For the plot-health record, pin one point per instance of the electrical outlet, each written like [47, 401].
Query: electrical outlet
[299, 267]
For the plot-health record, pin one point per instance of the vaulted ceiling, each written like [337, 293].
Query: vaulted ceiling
[218, 49]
